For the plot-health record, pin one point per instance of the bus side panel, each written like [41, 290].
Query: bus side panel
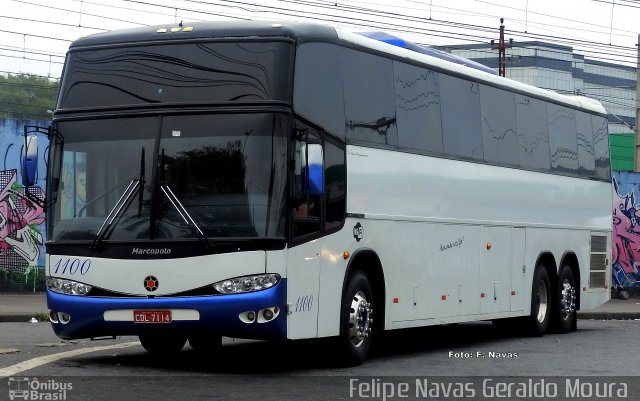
[556, 213]
[412, 187]
[333, 271]
[303, 290]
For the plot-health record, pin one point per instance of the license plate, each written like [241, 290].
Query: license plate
[152, 316]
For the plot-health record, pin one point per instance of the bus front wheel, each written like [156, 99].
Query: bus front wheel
[538, 320]
[356, 320]
[161, 344]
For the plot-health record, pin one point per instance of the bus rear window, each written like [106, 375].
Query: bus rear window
[183, 73]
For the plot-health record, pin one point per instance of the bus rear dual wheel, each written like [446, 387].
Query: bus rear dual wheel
[552, 309]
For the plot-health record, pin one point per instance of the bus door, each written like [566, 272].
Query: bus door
[303, 265]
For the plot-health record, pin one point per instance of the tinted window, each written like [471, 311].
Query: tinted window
[601, 147]
[305, 207]
[461, 128]
[586, 159]
[533, 134]
[417, 108]
[499, 133]
[227, 170]
[317, 91]
[195, 72]
[562, 138]
[369, 98]
[335, 186]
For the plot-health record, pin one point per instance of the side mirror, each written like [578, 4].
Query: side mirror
[30, 161]
[313, 169]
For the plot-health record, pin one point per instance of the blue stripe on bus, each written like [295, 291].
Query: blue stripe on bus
[219, 314]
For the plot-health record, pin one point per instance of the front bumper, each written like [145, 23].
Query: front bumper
[220, 314]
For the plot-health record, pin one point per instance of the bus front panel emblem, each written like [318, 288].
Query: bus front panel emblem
[151, 283]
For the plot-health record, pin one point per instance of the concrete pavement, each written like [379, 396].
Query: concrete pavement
[23, 307]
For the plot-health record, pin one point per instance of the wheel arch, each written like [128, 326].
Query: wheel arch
[547, 260]
[367, 261]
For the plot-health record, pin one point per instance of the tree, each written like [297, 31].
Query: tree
[27, 96]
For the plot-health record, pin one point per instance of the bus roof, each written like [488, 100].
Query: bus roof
[307, 31]
[212, 30]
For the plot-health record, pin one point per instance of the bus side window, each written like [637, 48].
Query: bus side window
[306, 208]
[335, 186]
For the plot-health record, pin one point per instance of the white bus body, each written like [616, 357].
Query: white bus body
[421, 237]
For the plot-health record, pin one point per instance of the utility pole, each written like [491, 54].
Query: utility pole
[502, 59]
[637, 124]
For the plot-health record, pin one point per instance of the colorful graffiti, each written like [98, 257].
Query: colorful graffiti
[626, 230]
[22, 215]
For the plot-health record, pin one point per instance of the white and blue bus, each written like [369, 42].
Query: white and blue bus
[293, 180]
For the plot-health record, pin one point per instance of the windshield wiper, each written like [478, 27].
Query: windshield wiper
[182, 211]
[134, 187]
[121, 205]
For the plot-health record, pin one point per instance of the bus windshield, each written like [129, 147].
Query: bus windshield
[146, 178]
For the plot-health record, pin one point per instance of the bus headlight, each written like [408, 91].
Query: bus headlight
[67, 286]
[247, 283]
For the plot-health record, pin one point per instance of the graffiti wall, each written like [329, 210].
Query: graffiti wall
[22, 219]
[626, 230]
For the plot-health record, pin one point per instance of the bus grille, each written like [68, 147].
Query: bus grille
[599, 261]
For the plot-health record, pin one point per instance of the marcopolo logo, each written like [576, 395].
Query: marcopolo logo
[151, 251]
[25, 388]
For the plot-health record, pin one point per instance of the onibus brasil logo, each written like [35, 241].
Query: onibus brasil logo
[26, 388]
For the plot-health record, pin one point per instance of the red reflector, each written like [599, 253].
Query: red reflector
[482, 295]
[513, 293]
[444, 297]
[396, 300]
[584, 288]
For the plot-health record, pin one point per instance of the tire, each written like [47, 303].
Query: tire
[537, 322]
[356, 320]
[564, 302]
[162, 344]
[209, 344]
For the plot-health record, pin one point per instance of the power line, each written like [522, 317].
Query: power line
[78, 12]
[470, 33]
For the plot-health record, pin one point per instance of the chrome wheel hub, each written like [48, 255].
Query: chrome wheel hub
[567, 300]
[360, 320]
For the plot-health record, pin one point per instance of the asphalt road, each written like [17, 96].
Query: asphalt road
[457, 355]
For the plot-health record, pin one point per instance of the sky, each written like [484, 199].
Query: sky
[35, 34]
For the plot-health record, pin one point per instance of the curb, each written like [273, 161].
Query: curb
[16, 318]
[609, 315]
